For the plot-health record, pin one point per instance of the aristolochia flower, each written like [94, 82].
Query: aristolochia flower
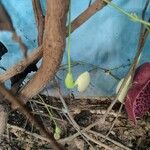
[83, 81]
[137, 102]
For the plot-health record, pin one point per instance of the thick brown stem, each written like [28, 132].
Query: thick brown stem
[53, 46]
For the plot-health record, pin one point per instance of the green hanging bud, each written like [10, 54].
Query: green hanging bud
[69, 81]
[57, 133]
[83, 81]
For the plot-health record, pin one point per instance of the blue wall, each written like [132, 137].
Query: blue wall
[107, 40]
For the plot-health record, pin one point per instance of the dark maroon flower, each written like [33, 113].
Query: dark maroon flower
[137, 101]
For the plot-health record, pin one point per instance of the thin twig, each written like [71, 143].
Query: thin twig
[70, 118]
[77, 127]
[21, 66]
[84, 16]
[52, 107]
[22, 45]
[97, 142]
[114, 121]
[35, 135]
[8, 25]
[5, 21]
[109, 139]
[39, 19]
[90, 2]
[70, 138]
[45, 115]
[145, 8]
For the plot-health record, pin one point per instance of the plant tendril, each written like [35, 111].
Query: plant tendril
[69, 38]
[133, 17]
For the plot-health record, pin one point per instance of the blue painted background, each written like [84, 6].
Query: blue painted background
[107, 40]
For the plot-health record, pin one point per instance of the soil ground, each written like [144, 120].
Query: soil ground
[21, 135]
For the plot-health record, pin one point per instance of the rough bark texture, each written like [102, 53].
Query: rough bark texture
[53, 47]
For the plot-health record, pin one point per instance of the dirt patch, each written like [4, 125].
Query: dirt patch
[22, 135]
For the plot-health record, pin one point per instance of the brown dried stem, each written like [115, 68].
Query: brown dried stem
[6, 24]
[113, 124]
[5, 21]
[84, 135]
[39, 19]
[21, 66]
[84, 16]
